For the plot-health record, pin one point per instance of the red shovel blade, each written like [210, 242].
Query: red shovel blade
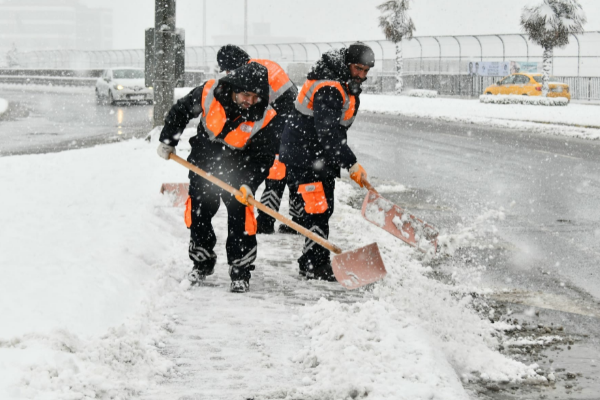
[359, 267]
[399, 222]
[178, 191]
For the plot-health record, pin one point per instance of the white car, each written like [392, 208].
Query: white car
[123, 84]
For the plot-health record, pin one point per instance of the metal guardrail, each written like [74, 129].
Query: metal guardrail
[422, 54]
[47, 80]
[64, 77]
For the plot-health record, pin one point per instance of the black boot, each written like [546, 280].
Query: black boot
[286, 230]
[239, 286]
[240, 278]
[321, 273]
[265, 228]
[201, 271]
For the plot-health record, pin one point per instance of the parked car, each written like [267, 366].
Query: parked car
[527, 85]
[123, 84]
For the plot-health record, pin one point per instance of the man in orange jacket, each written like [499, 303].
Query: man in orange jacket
[282, 94]
[237, 143]
[314, 144]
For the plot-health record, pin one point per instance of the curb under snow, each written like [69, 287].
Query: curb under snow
[525, 100]
[556, 128]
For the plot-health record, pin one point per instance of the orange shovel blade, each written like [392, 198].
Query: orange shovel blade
[399, 222]
[359, 267]
[177, 191]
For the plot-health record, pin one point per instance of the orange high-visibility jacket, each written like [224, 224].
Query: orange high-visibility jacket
[279, 81]
[304, 101]
[213, 120]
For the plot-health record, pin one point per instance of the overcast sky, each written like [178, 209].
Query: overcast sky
[322, 20]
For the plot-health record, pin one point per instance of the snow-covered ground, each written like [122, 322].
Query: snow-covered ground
[94, 301]
[574, 120]
[3, 105]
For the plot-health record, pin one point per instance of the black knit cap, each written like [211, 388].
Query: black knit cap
[360, 53]
[231, 57]
[251, 77]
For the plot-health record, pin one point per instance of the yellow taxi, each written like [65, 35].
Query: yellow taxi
[528, 85]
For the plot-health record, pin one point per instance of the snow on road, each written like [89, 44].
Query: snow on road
[94, 303]
[573, 120]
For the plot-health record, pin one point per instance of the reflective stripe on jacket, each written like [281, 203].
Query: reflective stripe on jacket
[304, 102]
[213, 120]
[279, 81]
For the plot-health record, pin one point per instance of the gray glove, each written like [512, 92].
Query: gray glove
[164, 150]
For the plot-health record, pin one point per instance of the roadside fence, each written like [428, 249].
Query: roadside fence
[430, 62]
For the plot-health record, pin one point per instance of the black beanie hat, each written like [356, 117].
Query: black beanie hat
[231, 57]
[360, 53]
[251, 77]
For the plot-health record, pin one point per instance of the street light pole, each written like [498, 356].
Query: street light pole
[204, 32]
[164, 53]
[245, 22]
[203, 23]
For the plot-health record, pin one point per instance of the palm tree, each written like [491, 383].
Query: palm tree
[549, 24]
[396, 25]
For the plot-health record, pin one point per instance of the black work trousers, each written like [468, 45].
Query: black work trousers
[240, 246]
[271, 197]
[314, 257]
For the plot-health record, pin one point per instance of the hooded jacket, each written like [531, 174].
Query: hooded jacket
[320, 142]
[231, 57]
[248, 165]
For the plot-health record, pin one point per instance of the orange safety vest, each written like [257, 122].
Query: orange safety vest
[213, 120]
[304, 101]
[279, 81]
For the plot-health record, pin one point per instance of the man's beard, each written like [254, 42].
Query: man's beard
[354, 86]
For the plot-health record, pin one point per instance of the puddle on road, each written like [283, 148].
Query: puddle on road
[549, 301]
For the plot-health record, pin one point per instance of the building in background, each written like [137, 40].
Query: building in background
[53, 25]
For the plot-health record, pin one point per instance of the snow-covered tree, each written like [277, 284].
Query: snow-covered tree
[549, 24]
[396, 25]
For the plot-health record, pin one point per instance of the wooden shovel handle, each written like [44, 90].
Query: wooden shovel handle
[311, 235]
[366, 184]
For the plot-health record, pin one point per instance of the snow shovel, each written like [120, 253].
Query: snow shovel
[398, 222]
[178, 191]
[352, 269]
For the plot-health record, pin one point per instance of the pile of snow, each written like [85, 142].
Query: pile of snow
[91, 294]
[530, 100]
[3, 105]
[373, 350]
[577, 120]
[81, 255]
[422, 93]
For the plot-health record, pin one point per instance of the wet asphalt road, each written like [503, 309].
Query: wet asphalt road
[544, 264]
[43, 120]
[547, 186]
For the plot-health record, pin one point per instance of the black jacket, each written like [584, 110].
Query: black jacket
[320, 142]
[284, 105]
[250, 165]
